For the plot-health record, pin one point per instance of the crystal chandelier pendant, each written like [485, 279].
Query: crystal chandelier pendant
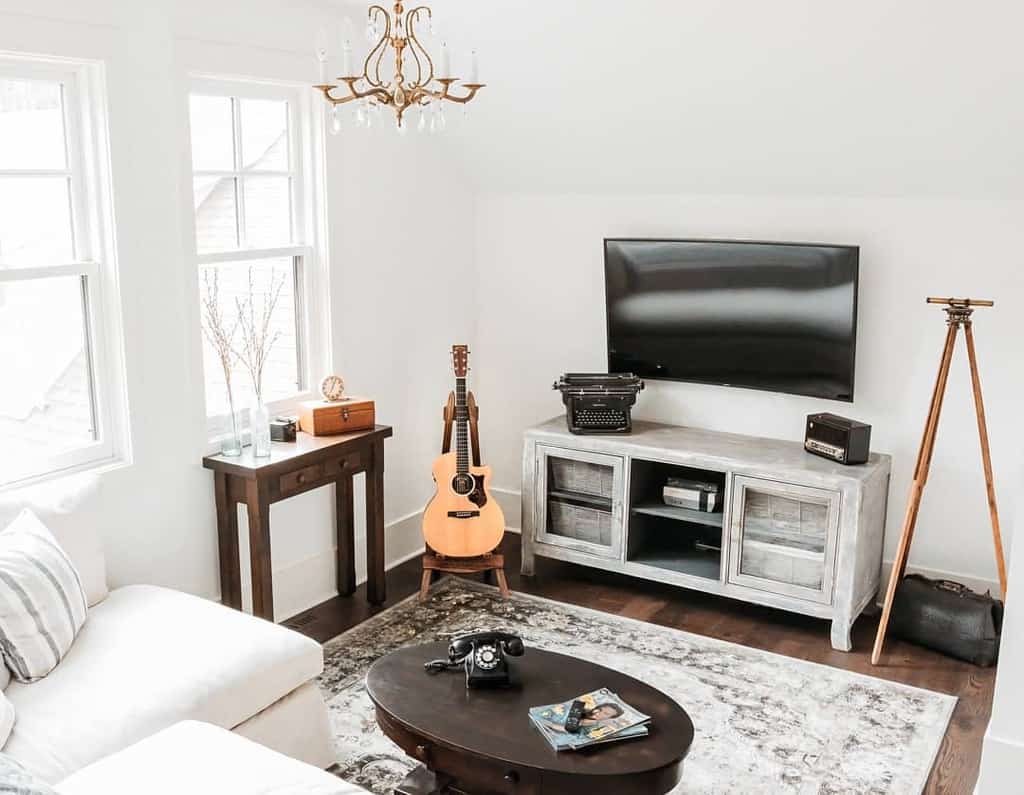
[336, 120]
[421, 125]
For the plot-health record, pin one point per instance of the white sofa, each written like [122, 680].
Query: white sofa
[200, 759]
[148, 658]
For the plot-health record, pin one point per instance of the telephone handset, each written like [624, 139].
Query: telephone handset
[483, 655]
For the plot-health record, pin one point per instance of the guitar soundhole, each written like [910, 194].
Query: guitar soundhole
[463, 484]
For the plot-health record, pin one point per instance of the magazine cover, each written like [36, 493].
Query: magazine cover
[606, 717]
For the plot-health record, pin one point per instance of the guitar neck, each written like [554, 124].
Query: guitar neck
[461, 427]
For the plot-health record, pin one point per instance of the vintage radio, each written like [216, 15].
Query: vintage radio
[328, 418]
[838, 438]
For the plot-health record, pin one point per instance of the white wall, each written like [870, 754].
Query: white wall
[542, 313]
[394, 279]
[1002, 762]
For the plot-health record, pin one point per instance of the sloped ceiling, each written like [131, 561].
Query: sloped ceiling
[808, 97]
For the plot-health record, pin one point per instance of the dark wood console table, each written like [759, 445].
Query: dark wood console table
[293, 468]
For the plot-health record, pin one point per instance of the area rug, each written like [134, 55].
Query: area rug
[765, 723]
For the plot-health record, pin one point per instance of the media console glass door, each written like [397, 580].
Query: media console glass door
[579, 501]
[783, 538]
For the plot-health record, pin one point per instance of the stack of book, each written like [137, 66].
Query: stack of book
[606, 718]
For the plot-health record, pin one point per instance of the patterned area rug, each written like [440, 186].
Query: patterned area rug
[764, 723]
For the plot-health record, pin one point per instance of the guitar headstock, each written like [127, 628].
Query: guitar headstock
[460, 360]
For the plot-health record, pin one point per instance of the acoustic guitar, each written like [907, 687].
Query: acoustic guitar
[462, 520]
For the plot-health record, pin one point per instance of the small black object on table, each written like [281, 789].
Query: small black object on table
[482, 741]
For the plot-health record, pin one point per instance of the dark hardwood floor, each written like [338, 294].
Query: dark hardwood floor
[956, 767]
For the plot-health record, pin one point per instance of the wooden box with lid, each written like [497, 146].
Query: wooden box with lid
[328, 418]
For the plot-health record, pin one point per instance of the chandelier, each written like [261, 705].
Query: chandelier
[415, 82]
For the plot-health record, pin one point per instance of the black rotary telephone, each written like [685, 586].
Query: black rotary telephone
[483, 655]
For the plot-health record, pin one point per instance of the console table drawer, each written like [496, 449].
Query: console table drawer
[301, 479]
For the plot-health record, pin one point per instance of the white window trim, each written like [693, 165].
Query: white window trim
[307, 169]
[85, 103]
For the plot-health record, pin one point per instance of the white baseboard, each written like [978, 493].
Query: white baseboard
[310, 582]
[511, 505]
[976, 584]
[1000, 766]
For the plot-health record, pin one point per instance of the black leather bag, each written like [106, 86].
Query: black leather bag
[949, 618]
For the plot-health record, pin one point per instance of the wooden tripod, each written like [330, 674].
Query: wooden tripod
[958, 311]
[492, 563]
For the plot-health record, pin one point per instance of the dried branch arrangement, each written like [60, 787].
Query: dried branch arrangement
[218, 331]
[257, 339]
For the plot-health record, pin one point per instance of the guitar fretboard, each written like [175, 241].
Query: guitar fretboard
[461, 421]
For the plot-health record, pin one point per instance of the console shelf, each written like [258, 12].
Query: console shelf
[789, 530]
[679, 514]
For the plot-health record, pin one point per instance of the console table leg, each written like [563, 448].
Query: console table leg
[227, 544]
[375, 588]
[346, 536]
[258, 503]
[526, 568]
[841, 640]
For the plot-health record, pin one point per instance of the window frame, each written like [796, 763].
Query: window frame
[93, 262]
[307, 251]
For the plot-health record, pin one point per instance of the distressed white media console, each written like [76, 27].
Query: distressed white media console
[794, 531]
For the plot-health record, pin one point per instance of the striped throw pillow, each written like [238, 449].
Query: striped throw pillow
[42, 603]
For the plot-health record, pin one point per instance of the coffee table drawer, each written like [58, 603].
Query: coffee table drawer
[466, 771]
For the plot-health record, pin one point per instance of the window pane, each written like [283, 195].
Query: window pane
[213, 137]
[35, 221]
[216, 213]
[268, 211]
[46, 402]
[238, 300]
[31, 125]
[264, 134]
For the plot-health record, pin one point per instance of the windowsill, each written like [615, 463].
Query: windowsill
[96, 468]
[286, 406]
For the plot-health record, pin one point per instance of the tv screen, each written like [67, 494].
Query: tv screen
[773, 316]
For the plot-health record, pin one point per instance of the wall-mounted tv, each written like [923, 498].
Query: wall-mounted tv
[772, 316]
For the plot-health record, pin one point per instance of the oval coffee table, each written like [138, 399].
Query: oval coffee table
[482, 741]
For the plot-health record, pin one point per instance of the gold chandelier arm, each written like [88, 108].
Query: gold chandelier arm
[379, 93]
[446, 94]
[378, 49]
[417, 48]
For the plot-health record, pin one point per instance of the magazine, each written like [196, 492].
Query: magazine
[607, 718]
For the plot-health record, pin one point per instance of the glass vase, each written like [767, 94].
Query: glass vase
[259, 429]
[231, 442]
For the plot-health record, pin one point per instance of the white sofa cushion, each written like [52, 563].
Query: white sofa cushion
[200, 759]
[42, 604]
[147, 658]
[59, 505]
[7, 716]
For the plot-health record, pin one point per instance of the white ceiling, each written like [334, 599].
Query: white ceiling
[811, 97]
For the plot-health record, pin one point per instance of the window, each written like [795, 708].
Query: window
[254, 245]
[60, 405]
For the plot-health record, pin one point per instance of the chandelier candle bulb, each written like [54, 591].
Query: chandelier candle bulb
[474, 67]
[346, 55]
[446, 61]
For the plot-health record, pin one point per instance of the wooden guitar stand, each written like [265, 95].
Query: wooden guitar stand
[958, 311]
[489, 563]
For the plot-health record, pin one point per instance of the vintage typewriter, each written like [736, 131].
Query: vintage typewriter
[598, 402]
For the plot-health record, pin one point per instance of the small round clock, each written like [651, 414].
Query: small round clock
[332, 388]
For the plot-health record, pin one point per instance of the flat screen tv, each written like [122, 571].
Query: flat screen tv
[772, 316]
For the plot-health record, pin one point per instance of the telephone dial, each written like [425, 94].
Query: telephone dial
[483, 655]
